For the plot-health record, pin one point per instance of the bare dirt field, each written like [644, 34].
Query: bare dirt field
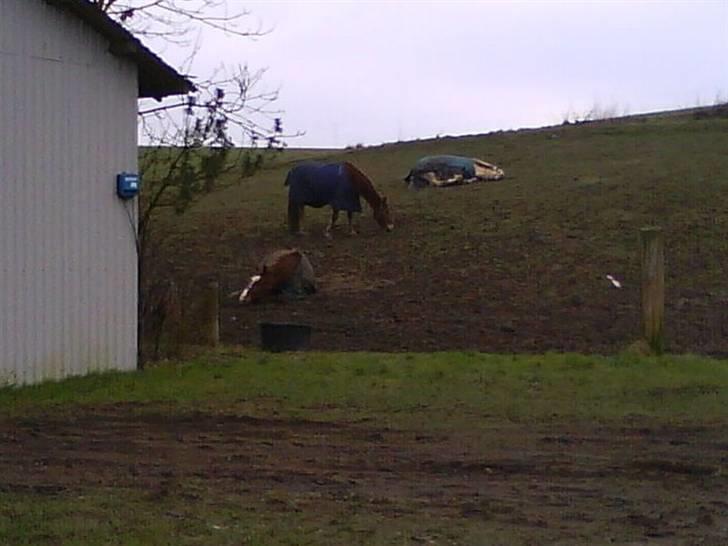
[518, 265]
[414, 291]
[510, 483]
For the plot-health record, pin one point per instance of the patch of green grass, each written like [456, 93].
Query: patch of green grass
[80, 518]
[129, 518]
[455, 391]
[132, 518]
[443, 388]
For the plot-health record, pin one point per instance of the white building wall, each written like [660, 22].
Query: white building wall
[68, 291]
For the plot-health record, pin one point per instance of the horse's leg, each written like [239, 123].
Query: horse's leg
[295, 215]
[332, 223]
[350, 216]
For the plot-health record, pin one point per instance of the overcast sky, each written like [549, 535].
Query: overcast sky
[370, 72]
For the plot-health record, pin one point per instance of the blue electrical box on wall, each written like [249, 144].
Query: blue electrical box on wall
[127, 185]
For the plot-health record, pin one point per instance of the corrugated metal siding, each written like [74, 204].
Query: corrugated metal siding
[67, 254]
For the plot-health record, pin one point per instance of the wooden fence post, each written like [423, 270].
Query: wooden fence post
[653, 287]
[209, 315]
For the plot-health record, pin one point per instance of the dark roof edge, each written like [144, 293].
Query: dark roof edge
[157, 79]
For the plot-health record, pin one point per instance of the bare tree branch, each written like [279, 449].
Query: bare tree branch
[175, 20]
[189, 141]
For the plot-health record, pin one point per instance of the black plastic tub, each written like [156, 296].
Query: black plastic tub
[281, 336]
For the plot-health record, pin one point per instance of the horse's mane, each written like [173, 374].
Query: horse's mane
[363, 185]
[277, 255]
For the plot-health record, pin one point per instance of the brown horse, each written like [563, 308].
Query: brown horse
[339, 185]
[286, 272]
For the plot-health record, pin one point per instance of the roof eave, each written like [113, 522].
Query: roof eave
[156, 78]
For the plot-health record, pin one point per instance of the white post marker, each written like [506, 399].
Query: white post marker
[254, 279]
[614, 281]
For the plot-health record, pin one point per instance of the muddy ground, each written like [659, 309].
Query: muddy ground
[518, 265]
[534, 483]
[403, 291]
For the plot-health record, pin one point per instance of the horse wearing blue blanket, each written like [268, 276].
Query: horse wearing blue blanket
[339, 185]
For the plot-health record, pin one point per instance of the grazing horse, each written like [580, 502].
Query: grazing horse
[336, 184]
[287, 272]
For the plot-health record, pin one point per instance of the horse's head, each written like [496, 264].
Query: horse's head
[365, 188]
[275, 270]
[383, 216]
[259, 287]
[251, 293]
[488, 171]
